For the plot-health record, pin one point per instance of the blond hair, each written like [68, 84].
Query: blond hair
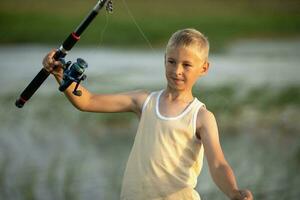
[188, 37]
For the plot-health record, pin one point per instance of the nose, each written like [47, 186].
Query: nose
[178, 69]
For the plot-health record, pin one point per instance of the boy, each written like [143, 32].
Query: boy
[174, 129]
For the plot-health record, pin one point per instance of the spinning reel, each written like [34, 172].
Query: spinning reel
[73, 72]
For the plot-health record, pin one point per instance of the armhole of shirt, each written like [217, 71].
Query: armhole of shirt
[147, 100]
[200, 104]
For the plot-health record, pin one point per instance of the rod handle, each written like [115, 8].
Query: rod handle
[32, 87]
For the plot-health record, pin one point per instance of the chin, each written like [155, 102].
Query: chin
[176, 87]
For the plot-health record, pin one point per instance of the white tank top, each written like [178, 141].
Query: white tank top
[166, 157]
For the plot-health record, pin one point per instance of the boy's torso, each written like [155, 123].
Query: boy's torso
[166, 157]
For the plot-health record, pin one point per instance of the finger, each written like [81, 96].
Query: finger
[52, 52]
[57, 64]
[246, 194]
[50, 55]
[45, 64]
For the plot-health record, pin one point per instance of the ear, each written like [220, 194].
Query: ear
[205, 67]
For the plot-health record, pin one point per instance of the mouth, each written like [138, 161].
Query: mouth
[178, 80]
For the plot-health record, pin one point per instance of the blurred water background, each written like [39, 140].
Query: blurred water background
[49, 150]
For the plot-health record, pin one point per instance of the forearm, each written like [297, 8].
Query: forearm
[220, 170]
[77, 101]
[104, 103]
[224, 178]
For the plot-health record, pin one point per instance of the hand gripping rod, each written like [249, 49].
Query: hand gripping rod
[61, 52]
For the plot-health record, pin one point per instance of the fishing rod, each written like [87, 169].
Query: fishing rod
[75, 71]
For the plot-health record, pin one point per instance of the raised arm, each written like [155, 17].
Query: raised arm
[89, 102]
[220, 170]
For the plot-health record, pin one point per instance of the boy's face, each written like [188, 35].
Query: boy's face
[184, 66]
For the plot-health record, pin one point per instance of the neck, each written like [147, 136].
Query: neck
[177, 95]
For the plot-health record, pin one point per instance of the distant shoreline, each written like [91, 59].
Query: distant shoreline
[35, 22]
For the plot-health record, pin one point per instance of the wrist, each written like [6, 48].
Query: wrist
[234, 194]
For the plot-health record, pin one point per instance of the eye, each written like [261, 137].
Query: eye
[170, 61]
[187, 65]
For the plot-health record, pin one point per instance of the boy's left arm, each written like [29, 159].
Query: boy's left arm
[220, 170]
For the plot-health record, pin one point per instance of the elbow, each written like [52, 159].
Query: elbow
[224, 166]
[219, 168]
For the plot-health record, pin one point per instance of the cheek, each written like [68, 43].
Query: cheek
[167, 72]
[168, 68]
[192, 76]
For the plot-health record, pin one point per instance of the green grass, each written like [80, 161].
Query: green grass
[51, 21]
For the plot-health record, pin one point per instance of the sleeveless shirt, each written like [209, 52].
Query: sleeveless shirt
[166, 157]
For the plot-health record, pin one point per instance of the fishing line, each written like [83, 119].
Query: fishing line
[104, 28]
[137, 25]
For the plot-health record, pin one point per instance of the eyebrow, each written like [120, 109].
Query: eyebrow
[187, 61]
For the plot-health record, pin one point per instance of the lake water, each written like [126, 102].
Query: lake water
[49, 150]
[246, 62]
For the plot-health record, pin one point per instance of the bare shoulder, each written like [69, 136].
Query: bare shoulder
[204, 116]
[139, 97]
[205, 120]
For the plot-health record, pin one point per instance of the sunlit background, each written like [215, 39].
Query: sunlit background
[50, 150]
